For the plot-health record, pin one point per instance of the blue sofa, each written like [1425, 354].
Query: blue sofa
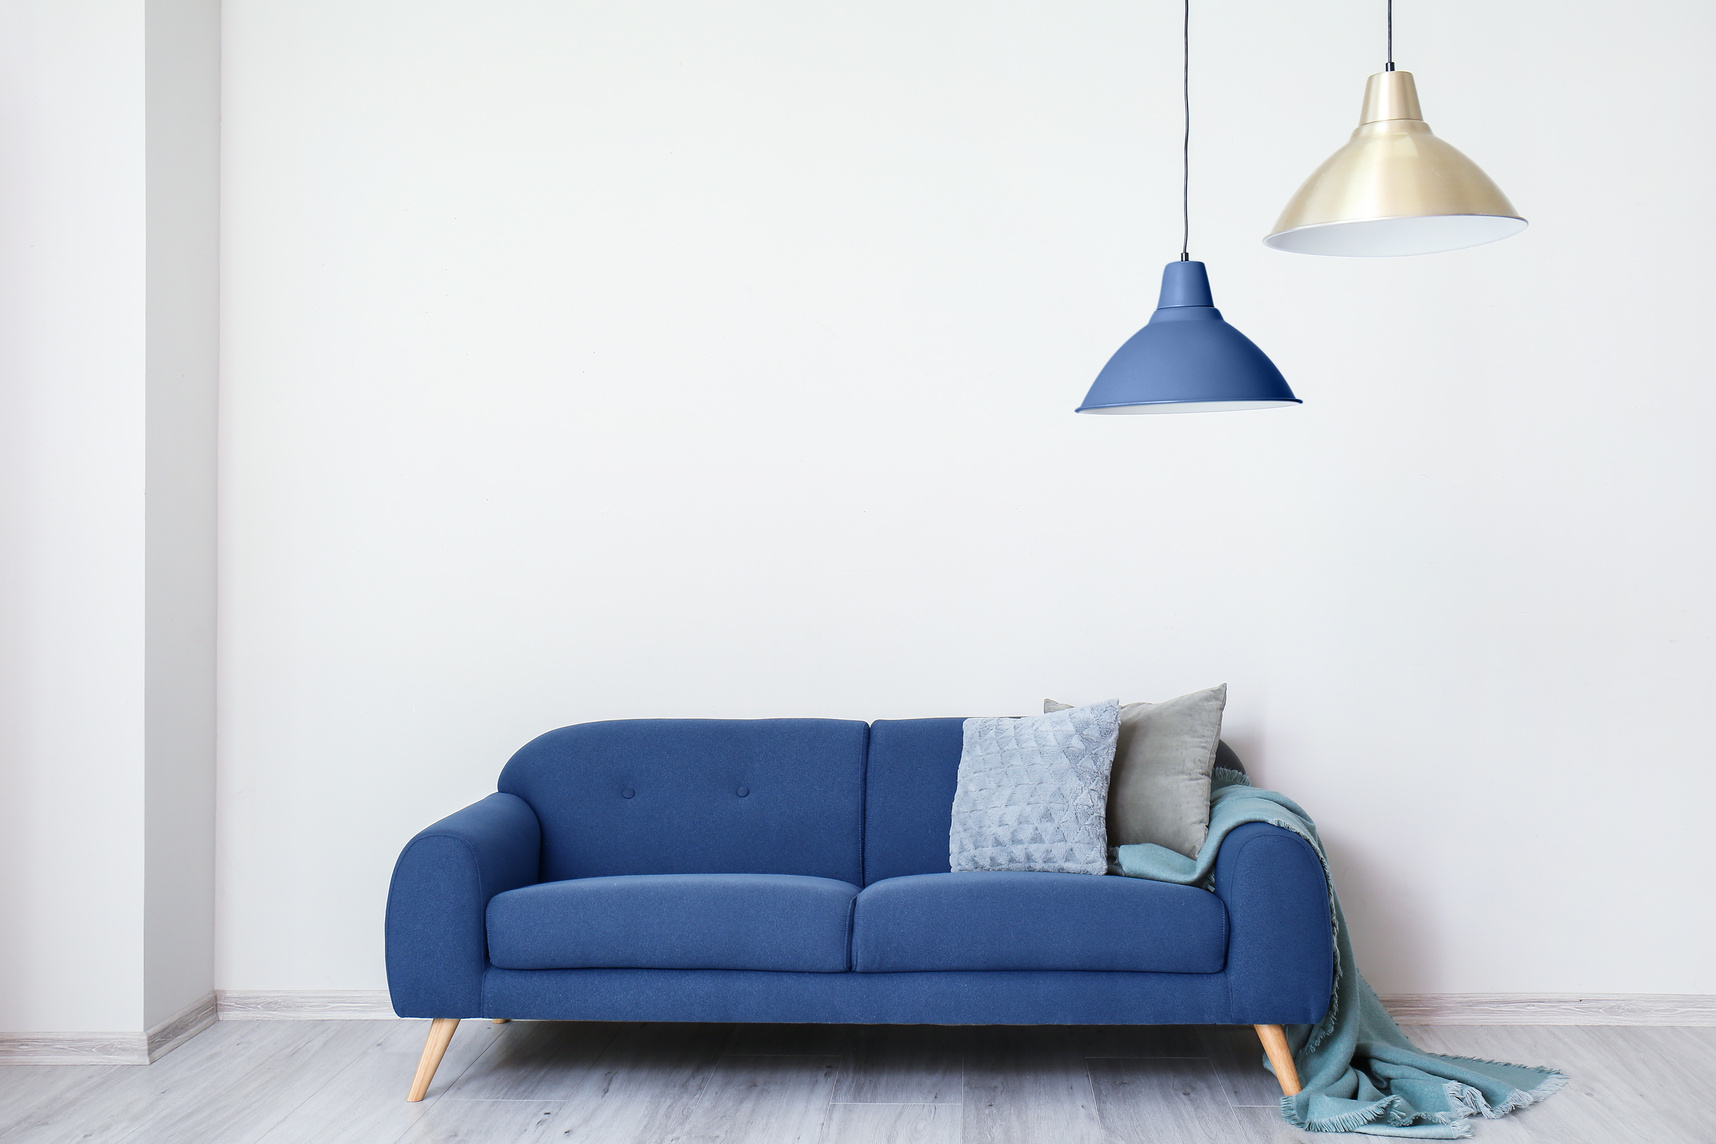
[796, 870]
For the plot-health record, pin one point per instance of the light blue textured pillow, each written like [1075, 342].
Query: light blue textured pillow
[1033, 792]
[1159, 786]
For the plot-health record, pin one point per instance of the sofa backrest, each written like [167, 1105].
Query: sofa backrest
[699, 796]
[908, 797]
[830, 798]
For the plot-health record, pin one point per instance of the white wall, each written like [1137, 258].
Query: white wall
[588, 360]
[71, 515]
[108, 162]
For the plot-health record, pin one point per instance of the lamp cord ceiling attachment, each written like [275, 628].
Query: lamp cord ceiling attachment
[1186, 139]
[1390, 65]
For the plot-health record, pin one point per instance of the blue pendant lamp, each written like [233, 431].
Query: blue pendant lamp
[1187, 359]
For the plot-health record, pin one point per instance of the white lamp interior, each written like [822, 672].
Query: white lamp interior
[1390, 237]
[1190, 407]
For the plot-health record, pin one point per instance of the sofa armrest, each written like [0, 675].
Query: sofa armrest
[1280, 955]
[437, 944]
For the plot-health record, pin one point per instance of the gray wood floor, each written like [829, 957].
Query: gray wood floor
[344, 1082]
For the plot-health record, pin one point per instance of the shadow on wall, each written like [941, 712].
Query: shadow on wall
[1390, 940]
[1387, 934]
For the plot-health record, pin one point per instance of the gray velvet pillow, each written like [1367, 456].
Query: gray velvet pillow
[1032, 792]
[1160, 787]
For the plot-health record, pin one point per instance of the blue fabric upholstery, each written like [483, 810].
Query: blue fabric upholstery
[436, 940]
[1280, 958]
[962, 998]
[663, 796]
[807, 809]
[675, 921]
[1008, 920]
[908, 800]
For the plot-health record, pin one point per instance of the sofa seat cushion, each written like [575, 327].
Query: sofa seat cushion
[675, 921]
[1017, 920]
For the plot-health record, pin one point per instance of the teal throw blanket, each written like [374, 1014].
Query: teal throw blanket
[1359, 1072]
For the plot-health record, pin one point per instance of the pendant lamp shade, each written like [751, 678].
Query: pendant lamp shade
[1394, 188]
[1187, 359]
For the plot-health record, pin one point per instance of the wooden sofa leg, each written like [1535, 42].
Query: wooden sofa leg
[1280, 1057]
[440, 1035]
[502, 1020]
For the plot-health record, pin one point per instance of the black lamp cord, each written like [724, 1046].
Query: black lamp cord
[1390, 65]
[1186, 103]
[1186, 140]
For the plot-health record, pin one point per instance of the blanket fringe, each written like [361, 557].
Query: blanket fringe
[1522, 1099]
[1468, 1101]
[1390, 1109]
[1466, 1097]
[1465, 1101]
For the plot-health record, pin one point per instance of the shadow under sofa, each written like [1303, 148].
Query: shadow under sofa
[796, 870]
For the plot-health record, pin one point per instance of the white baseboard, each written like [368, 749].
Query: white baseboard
[360, 1004]
[110, 1048]
[303, 1005]
[180, 1027]
[1553, 1008]
[74, 1048]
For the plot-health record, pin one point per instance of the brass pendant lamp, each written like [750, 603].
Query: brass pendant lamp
[1394, 188]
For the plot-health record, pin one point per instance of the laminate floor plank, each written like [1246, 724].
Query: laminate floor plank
[1025, 1085]
[1136, 1040]
[1258, 1125]
[482, 1122]
[777, 1099]
[26, 1088]
[904, 1064]
[1161, 1100]
[794, 1040]
[1672, 1071]
[1237, 1056]
[534, 1060]
[1627, 1082]
[284, 1073]
[644, 1086]
[229, 1084]
[343, 1082]
[364, 1103]
[878, 1123]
